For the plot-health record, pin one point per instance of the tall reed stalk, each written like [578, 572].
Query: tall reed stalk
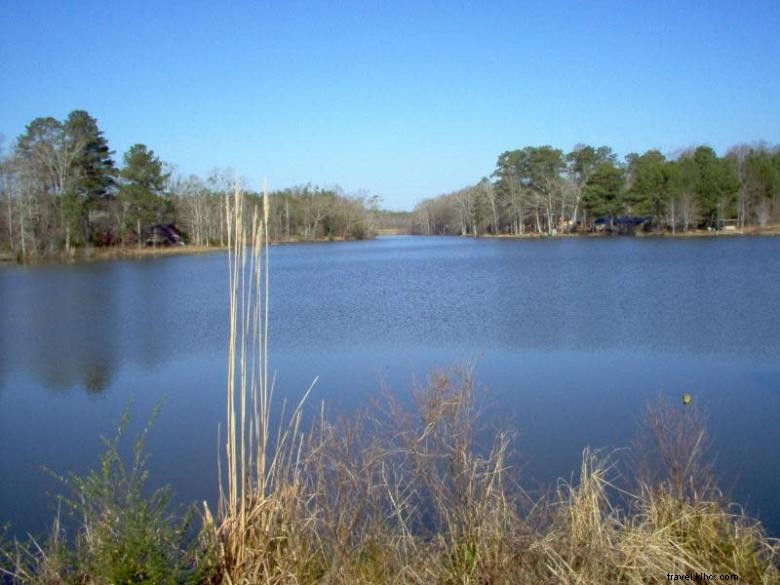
[256, 461]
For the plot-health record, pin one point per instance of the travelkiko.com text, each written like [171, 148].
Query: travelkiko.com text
[701, 577]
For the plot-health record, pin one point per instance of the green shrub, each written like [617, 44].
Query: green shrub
[122, 536]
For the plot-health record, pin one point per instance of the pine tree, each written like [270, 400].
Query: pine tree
[143, 183]
[94, 170]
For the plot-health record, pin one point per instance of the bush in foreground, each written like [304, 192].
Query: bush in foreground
[120, 535]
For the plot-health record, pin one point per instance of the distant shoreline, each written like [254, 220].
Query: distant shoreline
[100, 254]
[82, 255]
[771, 231]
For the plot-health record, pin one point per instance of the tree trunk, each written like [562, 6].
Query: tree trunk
[10, 221]
[577, 197]
[549, 216]
[22, 231]
[287, 213]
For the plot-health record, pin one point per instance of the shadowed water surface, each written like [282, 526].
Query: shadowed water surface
[571, 337]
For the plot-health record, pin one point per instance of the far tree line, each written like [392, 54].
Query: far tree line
[544, 190]
[63, 189]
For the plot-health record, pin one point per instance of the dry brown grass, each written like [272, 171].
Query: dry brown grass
[115, 253]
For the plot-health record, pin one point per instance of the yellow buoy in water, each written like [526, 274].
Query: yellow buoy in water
[687, 399]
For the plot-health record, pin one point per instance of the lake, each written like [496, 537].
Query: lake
[570, 337]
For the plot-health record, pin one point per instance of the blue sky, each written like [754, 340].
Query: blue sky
[402, 99]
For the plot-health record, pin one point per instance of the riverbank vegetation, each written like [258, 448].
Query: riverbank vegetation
[64, 192]
[416, 490]
[542, 190]
[407, 494]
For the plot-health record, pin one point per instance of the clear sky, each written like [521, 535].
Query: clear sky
[402, 99]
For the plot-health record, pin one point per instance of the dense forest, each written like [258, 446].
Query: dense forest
[62, 189]
[543, 190]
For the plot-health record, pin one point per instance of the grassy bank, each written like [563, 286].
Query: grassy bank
[109, 253]
[409, 494]
[134, 253]
[411, 491]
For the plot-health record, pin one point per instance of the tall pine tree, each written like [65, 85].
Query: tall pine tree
[94, 170]
[143, 183]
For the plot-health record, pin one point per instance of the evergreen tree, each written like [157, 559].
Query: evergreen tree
[603, 193]
[94, 173]
[716, 185]
[762, 182]
[140, 194]
[652, 185]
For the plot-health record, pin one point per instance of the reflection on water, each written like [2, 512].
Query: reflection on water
[572, 337]
[71, 339]
[74, 326]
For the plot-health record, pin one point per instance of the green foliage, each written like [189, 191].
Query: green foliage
[603, 192]
[533, 174]
[535, 167]
[584, 160]
[652, 185]
[96, 174]
[93, 172]
[143, 183]
[545, 165]
[68, 161]
[687, 175]
[762, 174]
[125, 536]
[715, 183]
[143, 169]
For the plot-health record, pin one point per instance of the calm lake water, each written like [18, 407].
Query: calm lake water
[572, 337]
